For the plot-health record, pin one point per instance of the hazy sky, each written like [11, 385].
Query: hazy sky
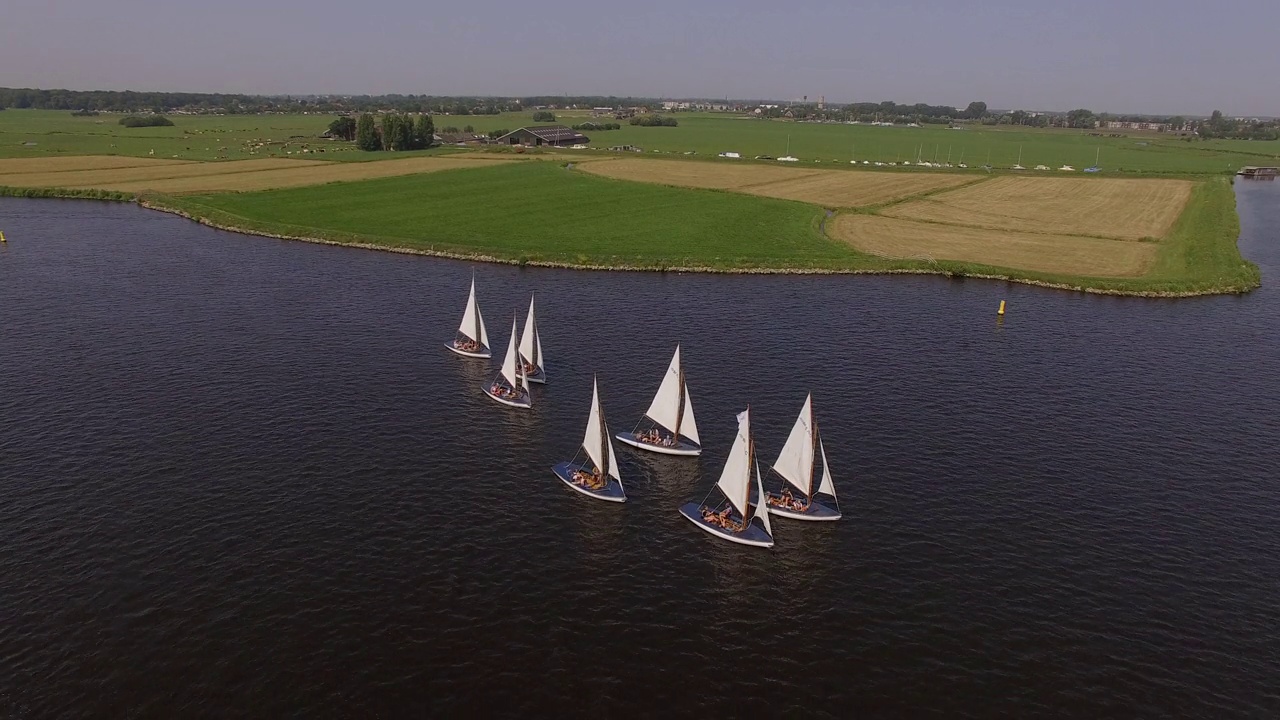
[1174, 56]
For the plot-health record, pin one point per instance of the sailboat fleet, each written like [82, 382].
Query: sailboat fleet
[736, 509]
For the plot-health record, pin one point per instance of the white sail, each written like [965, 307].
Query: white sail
[762, 511]
[735, 480]
[665, 408]
[795, 462]
[595, 432]
[826, 486]
[472, 321]
[597, 440]
[530, 343]
[688, 427]
[510, 368]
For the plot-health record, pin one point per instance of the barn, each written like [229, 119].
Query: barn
[537, 136]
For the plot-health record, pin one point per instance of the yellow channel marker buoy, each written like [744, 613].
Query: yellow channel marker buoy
[1001, 310]
[2, 236]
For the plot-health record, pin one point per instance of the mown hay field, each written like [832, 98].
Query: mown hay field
[829, 188]
[1101, 207]
[14, 166]
[1041, 252]
[235, 176]
[110, 178]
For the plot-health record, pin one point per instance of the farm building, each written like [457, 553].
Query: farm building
[464, 138]
[553, 135]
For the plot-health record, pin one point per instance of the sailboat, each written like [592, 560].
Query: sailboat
[1096, 156]
[738, 480]
[597, 475]
[472, 340]
[1019, 165]
[531, 350]
[795, 465]
[509, 387]
[672, 411]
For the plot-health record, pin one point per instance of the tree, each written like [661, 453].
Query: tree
[1018, 117]
[976, 110]
[344, 128]
[367, 134]
[424, 132]
[544, 116]
[1081, 118]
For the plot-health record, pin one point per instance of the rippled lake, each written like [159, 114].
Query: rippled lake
[241, 477]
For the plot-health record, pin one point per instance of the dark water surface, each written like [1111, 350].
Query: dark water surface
[242, 478]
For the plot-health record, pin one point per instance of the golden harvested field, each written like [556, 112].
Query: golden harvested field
[14, 166]
[1043, 252]
[239, 175]
[829, 188]
[108, 178]
[1126, 209]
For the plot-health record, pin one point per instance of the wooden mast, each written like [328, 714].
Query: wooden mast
[679, 404]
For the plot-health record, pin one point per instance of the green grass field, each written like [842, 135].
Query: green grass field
[210, 137]
[544, 212]
[541, 211]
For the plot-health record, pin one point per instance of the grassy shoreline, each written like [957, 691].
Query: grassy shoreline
[1198, 258]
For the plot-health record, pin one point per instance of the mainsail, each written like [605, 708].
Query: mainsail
[795, 462]
[510, 368]
[667, 409]
[735, 480]
[596, 442]
[472, 321]
[530, 341]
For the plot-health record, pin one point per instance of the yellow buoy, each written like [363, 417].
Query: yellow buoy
[2, 236]
[1001, 310]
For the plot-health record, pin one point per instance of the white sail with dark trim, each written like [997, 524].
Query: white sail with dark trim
[530, 342]
[795, 462]
[735, 480]
[472, 321]
[510, 366]
[826, 486]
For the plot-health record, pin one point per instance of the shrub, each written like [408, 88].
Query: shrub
[85, 113]
[544, 116]
[135, 121]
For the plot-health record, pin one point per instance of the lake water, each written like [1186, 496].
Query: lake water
[242, 477]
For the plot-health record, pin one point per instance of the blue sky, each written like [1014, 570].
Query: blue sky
[1168, 57]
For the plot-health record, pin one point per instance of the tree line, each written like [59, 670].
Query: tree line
[396, 131]
[654, 120]
[589, 125]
